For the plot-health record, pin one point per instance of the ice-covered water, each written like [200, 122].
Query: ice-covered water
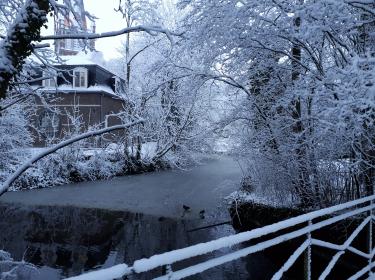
[75, 228]
[159, 193]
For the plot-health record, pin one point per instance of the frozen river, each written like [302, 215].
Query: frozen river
[70, 229]
[160, 193]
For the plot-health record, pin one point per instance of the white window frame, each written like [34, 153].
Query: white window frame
[82, 73]
[50, 82]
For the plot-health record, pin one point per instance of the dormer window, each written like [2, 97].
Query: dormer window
[50, 78]
[80, 77]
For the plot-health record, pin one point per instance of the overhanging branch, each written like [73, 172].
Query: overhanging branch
[152, 30]
[4, 188]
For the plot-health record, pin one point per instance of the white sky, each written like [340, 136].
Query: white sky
[108, 20]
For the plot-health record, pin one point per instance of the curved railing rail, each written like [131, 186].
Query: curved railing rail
[307, 225]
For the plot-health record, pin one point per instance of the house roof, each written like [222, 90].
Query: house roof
[90, 58]
[92, 89]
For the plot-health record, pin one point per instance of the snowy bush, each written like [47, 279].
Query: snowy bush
[13, 270]
[15, 139]
[71, 165]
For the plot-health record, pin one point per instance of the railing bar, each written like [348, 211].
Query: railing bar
[330, 266]
[308, 255]
[362, 272]
[198, 268]
[292, 259]
[204, 248]
[370, 241]
[326, 244]
[114, 272]
[169, 271]
[347, 243]
[332, 246]
[358, 252]
[356, 232]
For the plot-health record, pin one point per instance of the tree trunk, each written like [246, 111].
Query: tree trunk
[302, 185]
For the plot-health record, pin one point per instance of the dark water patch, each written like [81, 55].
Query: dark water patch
[66, 241]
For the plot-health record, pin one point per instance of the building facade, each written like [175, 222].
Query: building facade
[76, 98]
[79, 93]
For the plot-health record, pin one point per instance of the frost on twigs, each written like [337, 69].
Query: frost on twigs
[299, 75]
[15, 138]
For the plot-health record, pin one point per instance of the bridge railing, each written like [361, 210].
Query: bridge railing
[306, 224]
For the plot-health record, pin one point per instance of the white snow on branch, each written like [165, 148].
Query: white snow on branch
[152, 30]
[63, 144]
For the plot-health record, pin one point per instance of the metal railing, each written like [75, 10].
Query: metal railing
[306, 223]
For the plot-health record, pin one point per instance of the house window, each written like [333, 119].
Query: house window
[80, 77]
[48, 124]
[51, 80]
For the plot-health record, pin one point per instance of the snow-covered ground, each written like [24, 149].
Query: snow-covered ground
[148, 150]
[240, 196]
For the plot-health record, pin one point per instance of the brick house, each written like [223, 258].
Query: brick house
[80, 90]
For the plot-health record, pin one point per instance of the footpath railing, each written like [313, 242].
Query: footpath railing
[306, 224]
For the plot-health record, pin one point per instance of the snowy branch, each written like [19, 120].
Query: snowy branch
[63, 144]
[152, 30]
[17, 45]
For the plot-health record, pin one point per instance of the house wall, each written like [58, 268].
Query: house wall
[89, 108]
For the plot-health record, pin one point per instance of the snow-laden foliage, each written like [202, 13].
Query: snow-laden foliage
[173, 107]
[14, 270]
[15, 139]
[70, 161]
[22, 22]
[70, 165]
[302, 71]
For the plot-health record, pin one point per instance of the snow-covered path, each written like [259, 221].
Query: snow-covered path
[160, 193]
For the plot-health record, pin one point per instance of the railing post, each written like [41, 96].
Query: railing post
[167, 270]
[308, 256]
[370, 239]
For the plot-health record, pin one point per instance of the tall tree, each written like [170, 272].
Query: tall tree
[289, 58]
[23, 21]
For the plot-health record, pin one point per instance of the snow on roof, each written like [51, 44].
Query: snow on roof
[70, 89]
[89, 58]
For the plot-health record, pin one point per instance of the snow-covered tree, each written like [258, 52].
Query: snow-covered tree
[136, 12]
[297, 64]
[22, 22]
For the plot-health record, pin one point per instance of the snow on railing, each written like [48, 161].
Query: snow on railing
[327, 216]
